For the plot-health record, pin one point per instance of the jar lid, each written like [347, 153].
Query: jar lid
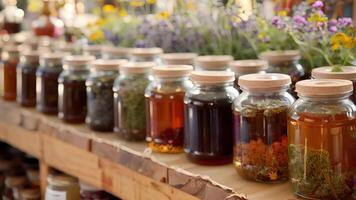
[66, 47]
[280, 56]
[248, 66]
[178, 58]
[171, 71]
[145, 52]
[78, 61]
[324, 87]
[348, 73]
[53, 56]
[93, 49]
[137, 67]
[213, 61]
[112, 64]
[119, 51]
[11, 48]
[31, 55]
[266, 82]
[61, 180]
[212, 77]
[88, 187]
[15, 181]
[30, 193]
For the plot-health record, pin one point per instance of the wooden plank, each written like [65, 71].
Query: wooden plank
[72, 160]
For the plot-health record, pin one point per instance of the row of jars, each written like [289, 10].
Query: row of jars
[172, 111]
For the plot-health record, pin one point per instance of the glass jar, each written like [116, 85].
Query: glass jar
[285, 62]
[12, 186]
[178, 58]
[165, 108]
[12, 17]
[67, 48]
[322, 140]
[260, 126]
[47, 82]
[244, 67]
[129, 100]
[100, 96]
[93, 50]
[88, 192]
[145, 54]
[61, 186]
[347, 73]
[10, 58]
[26, 78]
[208, 120]
[110, 52]
[213, 63]
[72, 93]
[31, 193]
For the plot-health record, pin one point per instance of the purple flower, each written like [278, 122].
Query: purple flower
[332, 22]
[300, 21]
[277, 22]
[344, 22]
[318, 4]
[333, 29]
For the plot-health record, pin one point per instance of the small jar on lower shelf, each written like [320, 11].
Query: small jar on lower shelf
[13, 184]
[72, 102]
[30, 193]
[208, 119]
[165, 108]
[61, 186]
[100, 96]
[88, 192]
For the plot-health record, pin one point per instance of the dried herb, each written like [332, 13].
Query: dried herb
[312, 174]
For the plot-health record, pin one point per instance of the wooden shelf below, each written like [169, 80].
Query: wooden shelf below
[126, 169]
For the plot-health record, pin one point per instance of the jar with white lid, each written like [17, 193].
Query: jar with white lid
[110, 52]
[145, 54]
[129, 99]
[100, 96]
[322, 140]
[208, 120]
[260, 126]
[244, 67]
[178, 58]
[213, 63]
[72, 100]
[165, 107]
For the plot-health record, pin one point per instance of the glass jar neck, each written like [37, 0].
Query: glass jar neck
[51, 63]
[268, 91]
[325, 98]
[171, 79]
[213, 86]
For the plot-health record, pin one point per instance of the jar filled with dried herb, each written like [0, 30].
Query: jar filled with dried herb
[213, 63]
[145, 54]
[47, 82]
[72, 100]
[110, 52]
[26, 78]
[100, 96]
[165, 107]
[285, 62]
[93, 50]
[129, 100]
[322, 140]
[10, 57]
[178, 58]
[260, 115]
[346, 73]
[62, 186]
[244, 67]
[208, 119]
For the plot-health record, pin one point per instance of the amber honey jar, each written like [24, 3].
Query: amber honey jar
[165, 108]
[10, 57]
[285, 62]
[322, 140]
[129, 99]
[244, 67]
[177, 58]
[208, 120]
[47, 82]
[213, 63]
[260, 127]
[100, 95]
[110, 52]
[26, 78]
[72, 90]
[346, 73]
[145, 54]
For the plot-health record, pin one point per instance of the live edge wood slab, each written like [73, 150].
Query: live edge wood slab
[126, 169]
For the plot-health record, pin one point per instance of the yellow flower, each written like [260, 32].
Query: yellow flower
[122, 13]
[100, 22]
[282, 13]
[108, 8]
[97, 35]
[191, 6]
[151, 1]
[317, 18]
[35, 5]
[137, 3]
[342, 40]
[261, 35]
[164, 14]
